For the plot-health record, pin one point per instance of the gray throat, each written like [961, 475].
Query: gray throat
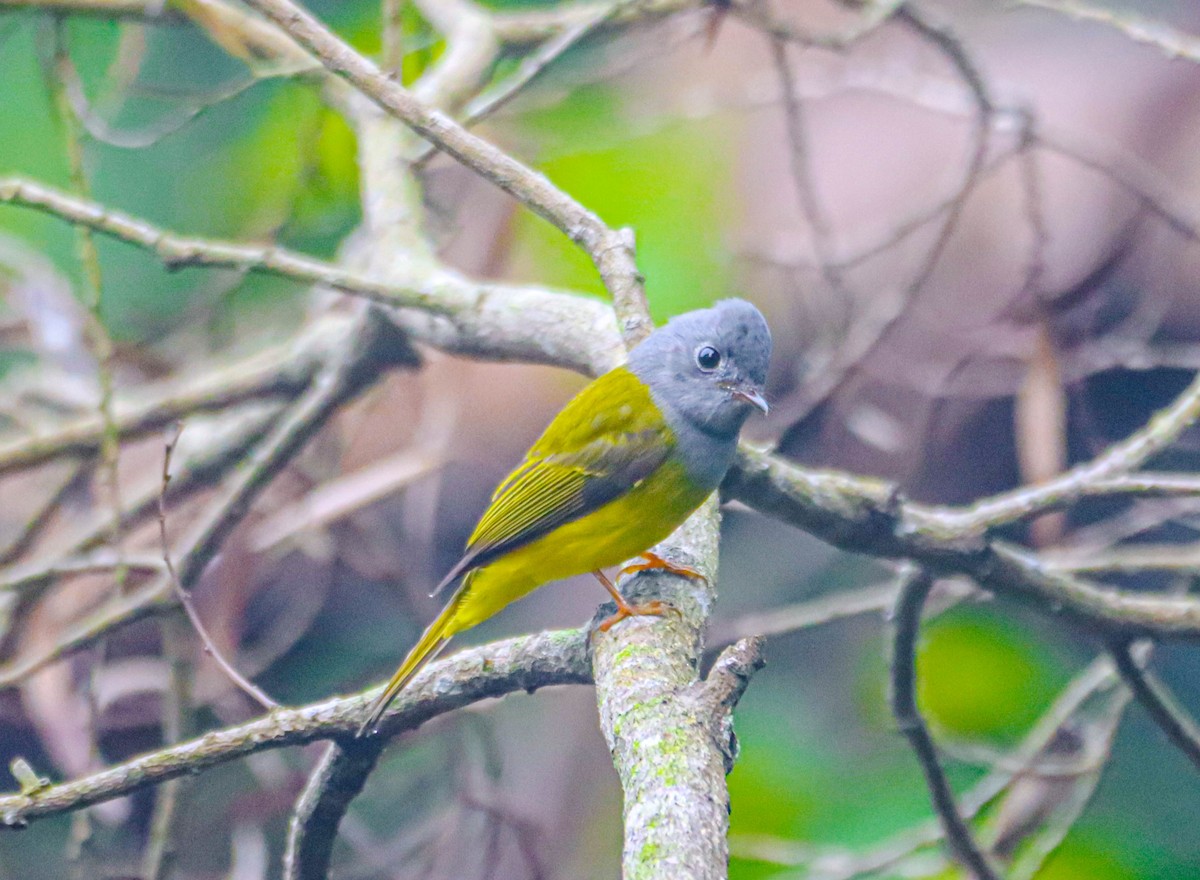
[705, 456]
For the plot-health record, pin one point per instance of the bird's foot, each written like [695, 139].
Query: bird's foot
[654, 562]
[653, 608]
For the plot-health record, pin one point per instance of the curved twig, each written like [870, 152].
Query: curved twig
[1159, 703]
[612, 251]
[914, 590]
[336, 780]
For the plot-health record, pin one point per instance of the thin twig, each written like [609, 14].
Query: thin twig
[26, 579]
[185, 599]
[1098, 679]
[942, 38]
[1159, 703]
[134, 605]
[803, 180]
[271, 374]
[530, 68]
[98, 337]
[156, 859]
[914, 590]
[1171, 41]
[36, 525]
[875, 598]
[1115, 463]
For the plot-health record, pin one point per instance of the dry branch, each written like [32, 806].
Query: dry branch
[869, 516]
[1159, 703]
[526, 663]
[909, 604]
[612, 251]
[337, 779]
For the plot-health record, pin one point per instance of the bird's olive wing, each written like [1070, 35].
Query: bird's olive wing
[603, 443]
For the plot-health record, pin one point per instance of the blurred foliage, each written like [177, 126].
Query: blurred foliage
[672, 185]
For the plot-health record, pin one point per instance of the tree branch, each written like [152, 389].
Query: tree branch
[526, 663]
[913, 592]
[479, 319]
[337, 779]
[671, 763]
[611, 250]
[868, 516]
[1159, 703]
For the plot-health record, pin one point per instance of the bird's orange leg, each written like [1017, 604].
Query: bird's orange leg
[653, 608]
[656, 562]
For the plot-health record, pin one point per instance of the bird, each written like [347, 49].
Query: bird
[620, 467]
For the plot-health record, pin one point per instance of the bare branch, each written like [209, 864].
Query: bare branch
[909, 604]
[27, 578]
[363, 346]
[1172, 42]
[526, 663]
[98, 338]
[610, 250]
[1097, 681]
[185, 599]
[497, 321]
[158, 852]
[1092, 477]
[130, 607]
[272, 373]
[177, 251]
[1159, 703]
[530, 68]
[336, 780]
[34, 527]
[802, 175]
[804, 615]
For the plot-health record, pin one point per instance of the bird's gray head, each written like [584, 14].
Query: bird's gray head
[709, 366]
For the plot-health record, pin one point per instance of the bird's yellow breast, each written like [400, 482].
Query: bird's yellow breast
[607, 536]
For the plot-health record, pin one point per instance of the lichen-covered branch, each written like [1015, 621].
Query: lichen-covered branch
[669, 732]
[869, 516]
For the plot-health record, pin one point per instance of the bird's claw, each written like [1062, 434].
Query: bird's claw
[654, 562]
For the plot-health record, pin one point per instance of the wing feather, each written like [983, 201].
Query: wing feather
[603, 443]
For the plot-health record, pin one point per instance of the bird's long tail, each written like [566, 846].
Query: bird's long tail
[435, 637]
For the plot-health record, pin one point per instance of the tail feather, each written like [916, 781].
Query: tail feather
[431, 643]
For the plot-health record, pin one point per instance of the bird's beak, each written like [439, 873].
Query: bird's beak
[752, 397]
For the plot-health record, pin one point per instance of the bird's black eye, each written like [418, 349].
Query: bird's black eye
[708, 358]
